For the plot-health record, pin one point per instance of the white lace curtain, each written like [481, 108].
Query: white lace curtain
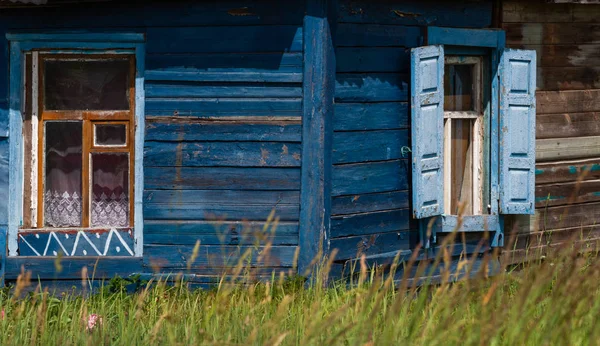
[109, 195]
[63, 209]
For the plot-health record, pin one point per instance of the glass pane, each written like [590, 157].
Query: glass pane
[461, 166]
[110, 190]
[63, 163]
[458, 88]
[86, 84]
[110, 134]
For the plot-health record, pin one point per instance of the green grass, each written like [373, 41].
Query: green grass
[555, 301]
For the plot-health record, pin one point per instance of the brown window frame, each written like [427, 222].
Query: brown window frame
[88, 118]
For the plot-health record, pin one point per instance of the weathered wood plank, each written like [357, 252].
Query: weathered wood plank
[221, 197]
[227, 67]
[539, 12]
[551, 33]
[371, 87]
[173, 129]
[556, 237]
[317, 130]
[132, 14]
[364, 146]
[567, 125]
[203, 211]
[217, 154]
[228, 90]
[554, 218]
[221, 178]
[223, 107]
[579, 101]
[224, 39]
[226, 62]
[568, 78]
[440, 13]
[4, 169]
[224, 227]
[569, 216]
[534, 253]
[583, 55]
[226, 76]
[567, 193]
[220, 233]
[368, 245]
[372, 177]
[567, 148]
[372, 223]
[168, 256]
[587, 14]
[375, 35]
[536, 12]
[45, 268]
[377, 59]
[220, 204]
[567, 171]
[220, 239]
[370, 116]
[366, 203]
[3, 118]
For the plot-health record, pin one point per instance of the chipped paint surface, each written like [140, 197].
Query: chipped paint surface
[241, 11]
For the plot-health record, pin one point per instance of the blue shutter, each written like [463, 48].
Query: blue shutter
[517, 132]
[427, 111]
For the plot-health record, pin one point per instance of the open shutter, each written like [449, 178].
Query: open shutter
[427, 109]
[517, 132]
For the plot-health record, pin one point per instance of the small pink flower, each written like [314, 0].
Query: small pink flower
[92, 321]
[2, 314]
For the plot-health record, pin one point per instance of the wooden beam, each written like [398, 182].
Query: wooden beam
[565, 55]
[567, 171]
[551, 33]
[567, 148]
[567, 193]
[568, 78]
[317, 130]
[71, 268]
[567, 125]
[574, 101]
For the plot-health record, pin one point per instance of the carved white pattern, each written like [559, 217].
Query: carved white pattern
[82, 240]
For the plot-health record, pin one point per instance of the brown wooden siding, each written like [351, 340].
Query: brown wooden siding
[567, 40]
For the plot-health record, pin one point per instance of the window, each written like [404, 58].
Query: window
[84, 116]
[463, 136]
[473, 131]
[77, 117]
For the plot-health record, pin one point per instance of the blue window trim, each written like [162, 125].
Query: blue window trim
[21, 43]
[474, 41]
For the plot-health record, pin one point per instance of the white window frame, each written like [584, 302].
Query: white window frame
[20, 44]
[476, 134]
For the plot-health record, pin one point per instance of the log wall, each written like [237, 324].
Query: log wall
[567, 40]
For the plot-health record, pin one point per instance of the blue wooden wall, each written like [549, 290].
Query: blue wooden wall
[224, 106]
[371, 179]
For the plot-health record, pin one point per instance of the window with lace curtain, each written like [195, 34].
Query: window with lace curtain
[78, 129]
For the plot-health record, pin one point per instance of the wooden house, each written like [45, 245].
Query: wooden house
[158, 137]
